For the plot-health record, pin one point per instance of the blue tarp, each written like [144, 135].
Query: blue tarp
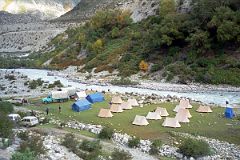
[96, 97]
[81, 105]
[229, 113]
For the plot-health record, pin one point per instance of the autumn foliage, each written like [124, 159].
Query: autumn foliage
[143, 66]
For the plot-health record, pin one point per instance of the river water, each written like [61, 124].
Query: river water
[216, 97]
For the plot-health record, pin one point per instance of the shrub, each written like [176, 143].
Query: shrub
[106, 133]
[6, 126]
[23, 136]
[70, 142]
[120, 155]
[26, 155]
[10, 77]
[155, 147]
[90, 146]
[156, 67]
[34, 143]
[143, 66]
[6, 107]
[123, 81]
[134, 142]
[194, 148]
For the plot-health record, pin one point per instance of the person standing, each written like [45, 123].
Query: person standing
[59, 109]
[47, 110]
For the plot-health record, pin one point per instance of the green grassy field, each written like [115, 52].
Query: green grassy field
[212, 125]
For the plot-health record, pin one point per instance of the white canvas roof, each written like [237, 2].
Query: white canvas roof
[59, 94]
[162, 111]
[81, 94]
[182, 118]
[105, 113]
[204, 109]
[117, 100]
[184, 112]
[116, 108]
[71, 90]
[153, 116]
[171, 122]
[184, 103]
[126, 105]
[140, 121]
[133, 102]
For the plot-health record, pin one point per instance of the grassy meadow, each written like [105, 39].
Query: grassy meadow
[212, 125]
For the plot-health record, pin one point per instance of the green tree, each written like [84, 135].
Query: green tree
[115, 33]
[167, 7]
[199, 41]
[6, 107]
[226, 23]
[6, 126]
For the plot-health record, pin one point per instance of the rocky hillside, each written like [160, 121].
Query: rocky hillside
[48, 9]
[140, 8]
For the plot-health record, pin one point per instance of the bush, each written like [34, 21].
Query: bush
[34, 143]
[155, 147]
[134, 142]
[90, 146]
[123, 81]
[23, 136]
[120, 155]
[26, 155]
[6, 126]
[156, 67]
[70, 142]
[106, 133]
[6, 107]
[194, 148]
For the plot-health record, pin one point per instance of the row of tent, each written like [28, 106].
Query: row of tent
[117, 105]
[182, 115]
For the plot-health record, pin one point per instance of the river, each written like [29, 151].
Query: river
[215, 97]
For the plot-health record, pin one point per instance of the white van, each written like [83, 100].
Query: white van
[29, 121]
[14, 117]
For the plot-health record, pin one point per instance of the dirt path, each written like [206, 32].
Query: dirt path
[107, 146]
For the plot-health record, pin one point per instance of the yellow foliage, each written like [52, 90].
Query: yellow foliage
[143, 66]
[97, 46]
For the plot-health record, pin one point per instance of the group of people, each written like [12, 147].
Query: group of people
[59, 109]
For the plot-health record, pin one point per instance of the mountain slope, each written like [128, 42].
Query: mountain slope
[48, 8]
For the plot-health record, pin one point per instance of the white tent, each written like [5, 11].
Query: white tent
[204, 109]
[117, 100]
[105, 113]
[171, 122]
[59, 94]
[116, 108]
[162, 111]
[153, 116]
[81, 95]
[126, 105]
[184, 112]
[182, 118]
[71, 90]
[140, 121]
[184, 103]
[133, 102]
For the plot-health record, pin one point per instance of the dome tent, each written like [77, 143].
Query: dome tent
[81, 105]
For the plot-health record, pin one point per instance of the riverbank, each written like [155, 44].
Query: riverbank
[209, 94]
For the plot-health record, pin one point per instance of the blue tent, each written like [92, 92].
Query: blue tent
[96, 97]
[81, 105]
[229, 113]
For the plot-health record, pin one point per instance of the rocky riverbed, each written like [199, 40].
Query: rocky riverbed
[209, 94]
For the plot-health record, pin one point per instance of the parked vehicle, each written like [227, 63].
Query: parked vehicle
[14, 117]
[17, 101]
[30, 121]
[56, 96]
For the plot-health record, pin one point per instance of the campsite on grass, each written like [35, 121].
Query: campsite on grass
[198, 120]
